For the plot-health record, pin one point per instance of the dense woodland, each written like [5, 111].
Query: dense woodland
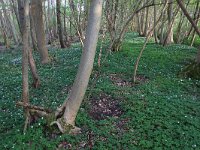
[100, 74]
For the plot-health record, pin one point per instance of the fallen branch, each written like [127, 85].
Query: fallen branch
[32, 107]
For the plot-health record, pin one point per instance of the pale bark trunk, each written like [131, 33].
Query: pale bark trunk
[86, 63]
[8, 23]
[4, 32]
[146, 22]
[37, 13]
[138, 24]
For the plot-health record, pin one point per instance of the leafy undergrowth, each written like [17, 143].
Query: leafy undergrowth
[161, 112]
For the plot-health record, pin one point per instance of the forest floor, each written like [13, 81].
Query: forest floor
[161, 111]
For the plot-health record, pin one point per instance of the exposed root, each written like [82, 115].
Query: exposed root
[52, 118]
[65, 127]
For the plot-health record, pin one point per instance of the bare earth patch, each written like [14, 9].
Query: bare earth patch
[104, 106]
[125, 83]
[119, 81]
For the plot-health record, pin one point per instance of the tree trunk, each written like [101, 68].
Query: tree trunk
[8, 23]
[155, 31]
[86, 63]
[180, 3]
[169, 37]
[25, 36]
[196, 13]
[36, 79]
[33, 35]
[59, 23]
[4, 32]
[37, 13]
[146, 22]
[24, 24]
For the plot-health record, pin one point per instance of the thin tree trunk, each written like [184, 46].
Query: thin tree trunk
[146, 22]
[169, 37]
[59, 23]
[180, 3]
[196, 13]
[72, 104]
[155, 31]
[36, 79]
[4, 32]
[25, 36]
[145, 43]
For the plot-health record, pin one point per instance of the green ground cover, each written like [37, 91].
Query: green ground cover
[161, 112]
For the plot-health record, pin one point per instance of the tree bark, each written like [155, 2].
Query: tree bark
[36, 79]
[59, 23]
[37, 13]
[146, 21]
[25, 36]
[180, 3]
[169, 37]
[86, 63]
[155, 31]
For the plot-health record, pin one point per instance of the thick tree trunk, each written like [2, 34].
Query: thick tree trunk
[86, 63]
[59, 23]
[37, 13]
